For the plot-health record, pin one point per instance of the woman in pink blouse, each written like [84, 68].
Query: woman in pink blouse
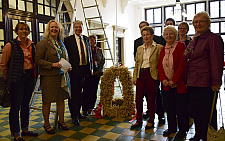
[172, 74]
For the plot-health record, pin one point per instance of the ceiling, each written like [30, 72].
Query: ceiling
[164, 2]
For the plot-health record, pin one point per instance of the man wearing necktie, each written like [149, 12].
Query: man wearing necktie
[80, 57]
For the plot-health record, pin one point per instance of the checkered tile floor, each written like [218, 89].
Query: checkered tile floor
[91, 129]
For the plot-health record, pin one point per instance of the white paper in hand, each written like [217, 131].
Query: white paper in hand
[65, 65]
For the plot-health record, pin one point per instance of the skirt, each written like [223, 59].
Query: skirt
[51, 88]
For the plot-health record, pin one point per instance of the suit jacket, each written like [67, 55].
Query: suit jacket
[153, 60]
[139, 41]
[73, 53]
[45, 56]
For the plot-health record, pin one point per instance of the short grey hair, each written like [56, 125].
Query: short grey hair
[171, 28]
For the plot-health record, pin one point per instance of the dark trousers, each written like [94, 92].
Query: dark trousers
[78, 81]
[159, 104]
[177, 110]
[201, 99]
[146, 82]
[21, 93]
[90, 93]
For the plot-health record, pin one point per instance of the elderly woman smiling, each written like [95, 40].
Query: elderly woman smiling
[145, 76]
[172, 73]
[205, 68]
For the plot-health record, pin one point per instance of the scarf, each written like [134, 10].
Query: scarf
[62, 53]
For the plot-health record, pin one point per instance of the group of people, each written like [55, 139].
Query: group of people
[190, 72]
[22, 61]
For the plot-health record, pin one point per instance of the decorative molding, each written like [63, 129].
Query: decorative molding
[123, 5]
[104, 2]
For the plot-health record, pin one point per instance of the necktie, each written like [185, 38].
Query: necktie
[83, 60]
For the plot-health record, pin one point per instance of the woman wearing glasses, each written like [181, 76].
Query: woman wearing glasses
[183, 29]
[205, 61]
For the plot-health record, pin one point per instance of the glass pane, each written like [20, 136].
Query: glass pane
[1, 3]
[41, 28]
[168, 12]
[158, 31]
[40, 9]
[157, 15]
[53, 12]
[29, 24]
[47, 10]
[40, 1]
[1, 19]
[12, 4]
[191, 30]
[190, 11]
[149, 16]
[223, 27]
[47, 2]
[214, 9]
[53, 3]
[200, 7]
[41, 36]
[30, 7]
[177, 13]
[222, 12]
[21, 5]
[215, 27]
[1, 34]
[14, 23]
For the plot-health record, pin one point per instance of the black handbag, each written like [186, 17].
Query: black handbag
[4, 94]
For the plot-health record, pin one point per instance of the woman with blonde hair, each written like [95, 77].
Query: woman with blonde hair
[54, 82]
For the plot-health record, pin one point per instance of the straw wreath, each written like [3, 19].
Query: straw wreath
[119, 107]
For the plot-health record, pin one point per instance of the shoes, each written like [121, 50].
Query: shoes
[167, 133]
[20, 139]
[76, 121]
[149, 126]
[82, 117]
[136, 125]
[51, 131]
[30, 133]
[63, 125]
[180, 135]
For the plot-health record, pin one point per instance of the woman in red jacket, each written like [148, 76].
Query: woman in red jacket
[172, 74]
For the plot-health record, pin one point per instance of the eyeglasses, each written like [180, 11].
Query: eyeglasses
[200, 22]
[182, 28]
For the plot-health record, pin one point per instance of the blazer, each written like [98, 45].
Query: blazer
[205, 66]
[100, 61]
[153, 60]
[45, 56]
[73, 53]
[179, 65]
[138, 42]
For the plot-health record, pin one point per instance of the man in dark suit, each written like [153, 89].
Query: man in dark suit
[159, 40]
[139, 41]
[80, 57]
